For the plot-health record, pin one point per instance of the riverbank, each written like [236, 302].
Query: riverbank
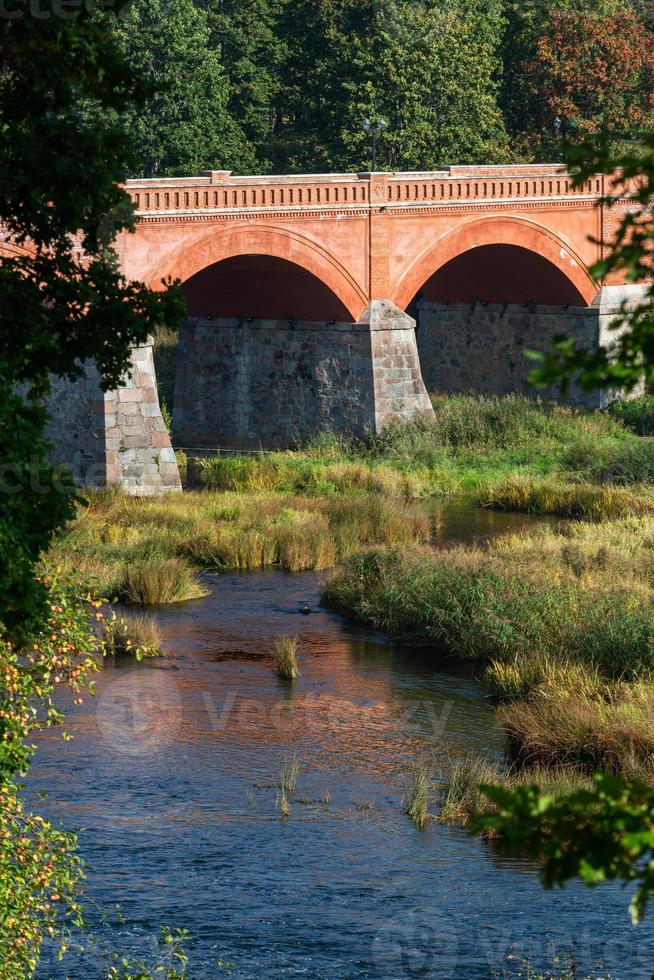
[470, 446]
[560, 622]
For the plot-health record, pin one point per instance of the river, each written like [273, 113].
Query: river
[172, 774]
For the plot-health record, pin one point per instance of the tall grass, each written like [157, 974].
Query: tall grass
[286, 665]
[552, 495]
[467, 443]
[124, 548]
[463, 795]
[135, 635]
[160, 581]
[498, 603]
[418, 795]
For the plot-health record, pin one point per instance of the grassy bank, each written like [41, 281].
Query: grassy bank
[150, 550]
[471, 444]
[560, 623]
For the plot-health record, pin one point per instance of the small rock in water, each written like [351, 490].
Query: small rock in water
[305, 610]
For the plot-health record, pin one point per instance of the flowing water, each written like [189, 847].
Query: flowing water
[173, 773]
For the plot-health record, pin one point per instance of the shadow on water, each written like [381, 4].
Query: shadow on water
[173, 773]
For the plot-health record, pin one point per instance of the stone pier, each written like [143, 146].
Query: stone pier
[114, 438]
[272, 383]
[480, 348]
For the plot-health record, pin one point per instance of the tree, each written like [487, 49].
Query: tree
[251, 50]
[62, 300]
[595, 71]
[426, 67]
[607, 832]
[184, 125]
[533, 90]
[630, 358]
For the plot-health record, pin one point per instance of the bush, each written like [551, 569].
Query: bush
[636, 414]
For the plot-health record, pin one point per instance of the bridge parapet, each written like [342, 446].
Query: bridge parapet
[220, 191]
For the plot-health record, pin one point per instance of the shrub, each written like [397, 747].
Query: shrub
[623, 462]
[636, 414]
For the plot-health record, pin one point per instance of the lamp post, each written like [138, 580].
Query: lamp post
[373, 127]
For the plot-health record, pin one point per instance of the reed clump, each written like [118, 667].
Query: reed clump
[582, 500]
[463, 796]
[160, 581]
[287, 784]
[419, 795]
[136, 635]
[286, 665]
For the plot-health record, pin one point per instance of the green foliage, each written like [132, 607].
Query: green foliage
[170, 964]
[636, 414]
[425, 67]
[40, 871]
[602, 833]
[252, 51]
[184, 125]
[59, 190]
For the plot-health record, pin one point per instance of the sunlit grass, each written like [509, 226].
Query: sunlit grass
[136, 635]
[419, 795]
[147, 550]
[286, 666]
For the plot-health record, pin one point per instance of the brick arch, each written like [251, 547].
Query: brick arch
[213, 247]
[495, 231]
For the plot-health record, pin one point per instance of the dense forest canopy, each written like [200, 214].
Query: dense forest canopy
[283, 85]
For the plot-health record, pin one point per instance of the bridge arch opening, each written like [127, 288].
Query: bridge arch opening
[501, 273]
[257, 286]
[268, 355]
[483, 307]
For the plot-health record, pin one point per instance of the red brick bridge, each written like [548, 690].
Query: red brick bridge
[303, 295]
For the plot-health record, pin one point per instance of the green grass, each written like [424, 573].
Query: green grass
[560, 622]
[471, 444]
[541, 595]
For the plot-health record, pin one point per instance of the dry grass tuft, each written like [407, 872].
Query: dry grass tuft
[286, 665]
[160, 581]
[419, 795]
[134, 635]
